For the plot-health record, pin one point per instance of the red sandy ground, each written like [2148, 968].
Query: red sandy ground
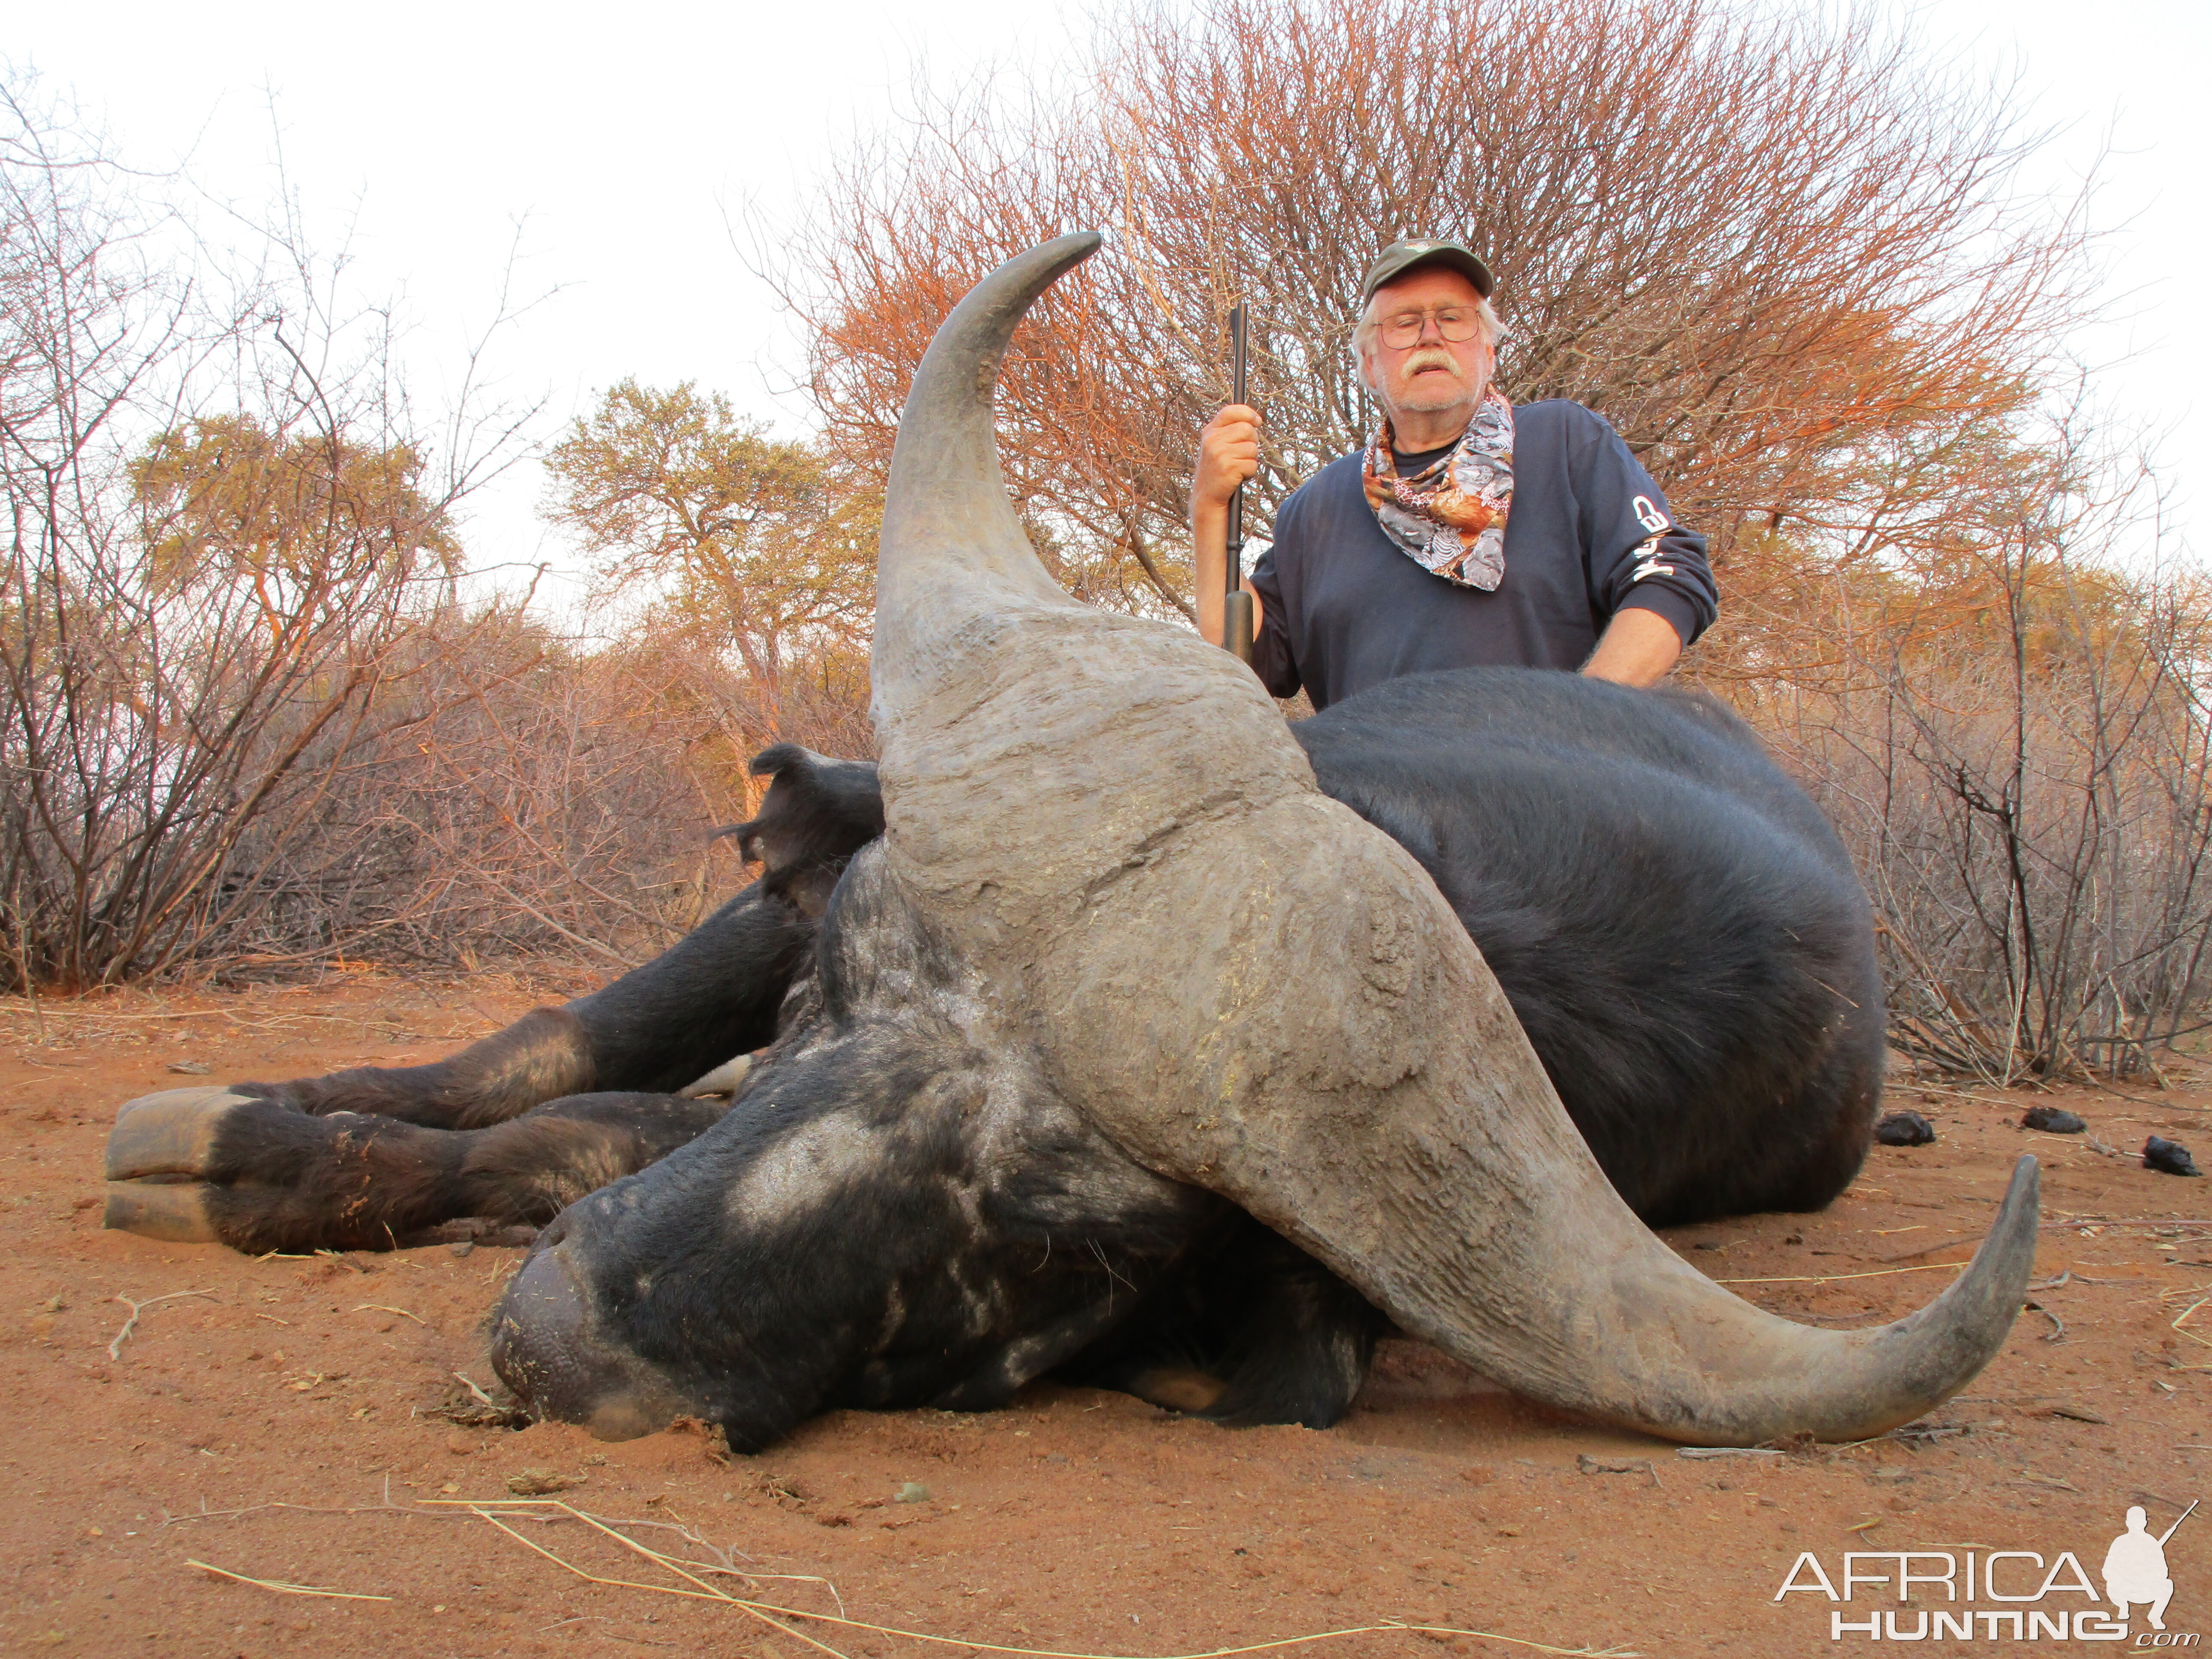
[272, 1427]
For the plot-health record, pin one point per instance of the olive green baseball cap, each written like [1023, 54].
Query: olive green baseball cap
[1395, 260]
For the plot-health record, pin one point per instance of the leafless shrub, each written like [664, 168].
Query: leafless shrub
[516, 794]
[517, 797]
[2022, 763]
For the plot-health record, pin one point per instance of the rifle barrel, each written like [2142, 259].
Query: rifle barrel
[2177, 1520]
[1236, 573]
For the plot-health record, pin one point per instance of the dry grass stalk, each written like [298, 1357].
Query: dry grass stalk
[1824, 1278]
[282, 1588]
[378, 1307]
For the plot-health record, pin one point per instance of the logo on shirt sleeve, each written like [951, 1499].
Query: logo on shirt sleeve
[1647, 555]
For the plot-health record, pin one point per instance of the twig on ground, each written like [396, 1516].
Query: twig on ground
[2175, 1324]
[1925, 1249]
[1930, 1431]
[115, 1346]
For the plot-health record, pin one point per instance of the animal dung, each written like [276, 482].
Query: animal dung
[912, 1492]
[1904, 1129]
[2053, 1121]
[2169, 1158]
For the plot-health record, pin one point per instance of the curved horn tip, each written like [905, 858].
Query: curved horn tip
[1977, 1312]
[1884, 1376]
[2024, 1195]
[1986, 1300]
[946, 505]
[2010, 1244]
[1077, 244]
[1006, 293]
[2010, 1241]
[1061, 253]
[998, 302]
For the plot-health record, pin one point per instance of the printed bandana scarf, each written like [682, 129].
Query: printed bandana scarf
[1450, 519]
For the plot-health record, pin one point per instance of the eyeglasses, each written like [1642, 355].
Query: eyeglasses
[1454, 323]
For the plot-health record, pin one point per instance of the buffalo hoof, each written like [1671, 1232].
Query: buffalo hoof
[170, 1136]
[175, 1213]
[222, 1166]
[162, 1149]
[547, 1346]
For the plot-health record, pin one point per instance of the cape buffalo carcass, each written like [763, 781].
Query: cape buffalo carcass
[1130, 1048]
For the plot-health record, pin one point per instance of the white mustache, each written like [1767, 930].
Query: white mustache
[1432, 357]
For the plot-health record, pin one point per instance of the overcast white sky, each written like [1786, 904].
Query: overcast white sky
[615, 138]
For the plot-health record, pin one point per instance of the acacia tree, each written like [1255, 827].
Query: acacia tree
[751, 544]
[1775, 251]
[224, 499]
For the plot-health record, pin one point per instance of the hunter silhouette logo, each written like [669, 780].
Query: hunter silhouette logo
[2135, 1567]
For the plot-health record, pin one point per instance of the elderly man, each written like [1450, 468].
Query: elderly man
[1468, 533]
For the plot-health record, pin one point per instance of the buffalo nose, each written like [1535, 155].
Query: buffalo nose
[546, 1345]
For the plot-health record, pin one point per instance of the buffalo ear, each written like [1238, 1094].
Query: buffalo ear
[818, 812]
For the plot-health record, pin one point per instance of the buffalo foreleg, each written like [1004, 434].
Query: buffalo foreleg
[709, 997]
[215, 1165]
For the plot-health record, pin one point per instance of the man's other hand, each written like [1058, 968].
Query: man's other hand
[1228, 454]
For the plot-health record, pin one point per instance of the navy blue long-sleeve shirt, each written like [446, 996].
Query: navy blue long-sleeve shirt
[1590, 534]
